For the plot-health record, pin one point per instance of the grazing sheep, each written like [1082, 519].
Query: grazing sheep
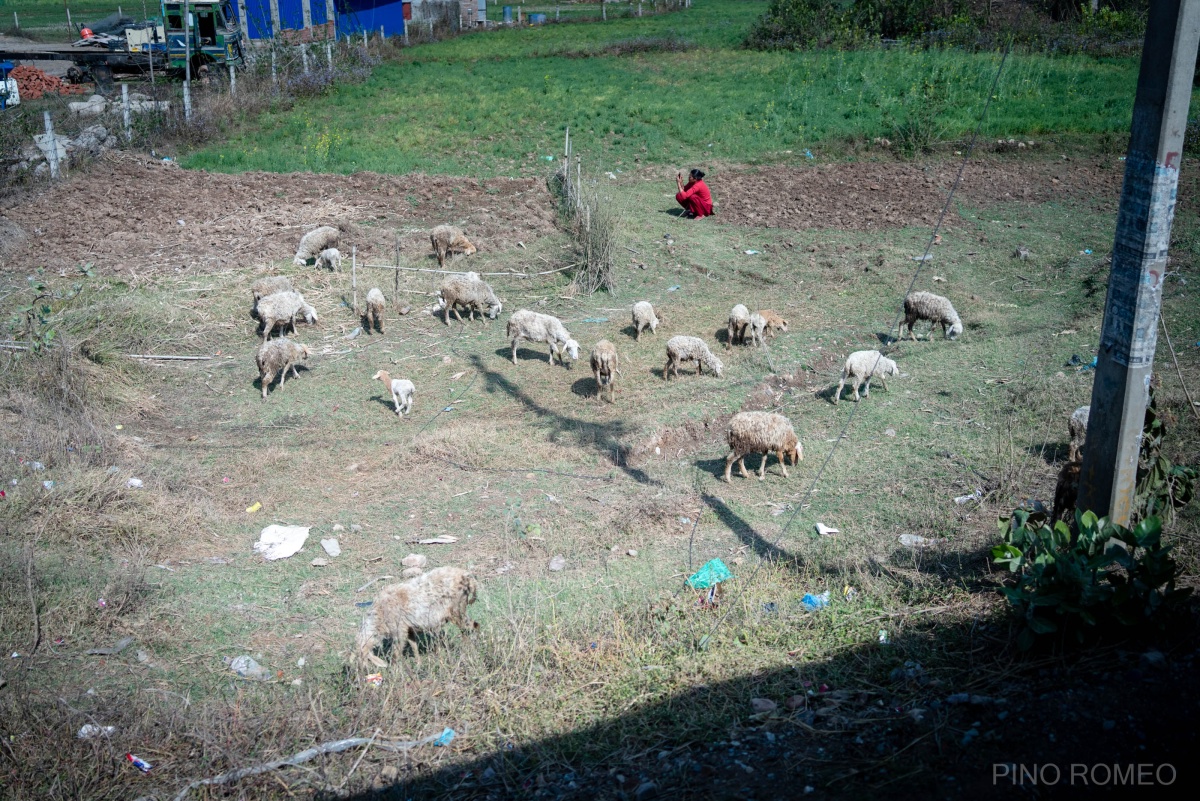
[376, 303]
[402, 391]
[644, 316]
[765, 433]
[424, 603]
[865, 364]
[690, 349]
[757, 328]
[739, 319]
[276, 357]
[934, 308]
[282, 309]
[774, 321]
[315, 241]
[446, 240]
[1066, 492]
[330, 258]
[470, 292]
[537, 327]
[605, 367]
[268, 286]
[1077, 427]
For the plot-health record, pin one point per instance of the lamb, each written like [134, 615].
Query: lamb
[934, 308]
[376, 303]
[644, 316]
[330, 258]
[402, 391]
[470, 292]
[282, 309]
[757, 328]
[1077, 427]
[315, 241]
[765, 433]
[276, 357]
[865, 364]
[446, 240]
[605, 367]
[537, 327]
[739, 319]
[688, 349]
[424, 603]
[774, 321]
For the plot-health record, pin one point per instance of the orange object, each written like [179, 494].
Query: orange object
[86, 33]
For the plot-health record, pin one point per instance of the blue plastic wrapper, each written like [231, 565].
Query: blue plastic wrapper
[814, 602]
[445, 737]
[709, 575]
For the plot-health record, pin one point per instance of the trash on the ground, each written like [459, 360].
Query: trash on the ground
[101, 603]
[825, 530]
[770, 608]
[143, 657]
[375, 679]
[300, 662]
[355, 528]
[121, 645]
[814, 602]
[48, 485]
[673, 288]
[710, 574]
[926, 257]
[884, 639]
[631, 552]
[808, 154]
[331, 547]
[916, 541]
[338, 527]
[139, 763]
[760, 705]
[415, 560]
[889, 432]
[444, 539]
[89, 730]
[1090, 365]
[751, 252]
[594, 320]
[974, 496]
[134, 483]
[36, 466]
[320, 561]
[446, 737]
[363, 604]
[1087, 251]
[912, 671]
[558, 563]
[246, 667]
[280, 542]
[254, 507]
[849, 593]
[611, 175]
[939, 279]
[354, 334]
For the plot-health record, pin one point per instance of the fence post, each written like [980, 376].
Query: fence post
[354, 276]
[232, 81]
[70, 25]
[274, 71]
[604, 10]
[16, 21]
[639, 8]
[52, 153]
[329, 55]
[364, 38]
[396, 278]
[382, 35]
[556, 13]
[125, 111]
[304, 58]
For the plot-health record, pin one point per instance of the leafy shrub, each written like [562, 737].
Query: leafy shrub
[798, 23]
[1162, 486]
[1107, 576]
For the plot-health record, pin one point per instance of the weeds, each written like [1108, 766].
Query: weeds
[593, 223]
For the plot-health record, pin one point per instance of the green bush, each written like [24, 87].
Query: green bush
[1105, 577]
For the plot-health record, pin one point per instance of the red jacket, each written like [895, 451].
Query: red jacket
[696, 198]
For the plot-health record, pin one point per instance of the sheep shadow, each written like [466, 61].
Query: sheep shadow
[586, 388]
[529, 354]
[1052, 453]
[631, 331]
[385, 401]
[714, 467]
[276, 384]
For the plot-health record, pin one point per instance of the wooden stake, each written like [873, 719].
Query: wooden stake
[354, 276]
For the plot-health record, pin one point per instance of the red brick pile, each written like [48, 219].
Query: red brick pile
[34, 84]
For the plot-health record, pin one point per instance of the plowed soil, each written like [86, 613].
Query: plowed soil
[133, 213]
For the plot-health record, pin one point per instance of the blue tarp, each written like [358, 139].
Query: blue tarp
[352, 16]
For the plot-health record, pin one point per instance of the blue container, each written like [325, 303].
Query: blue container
[508, 15]
[537, 19]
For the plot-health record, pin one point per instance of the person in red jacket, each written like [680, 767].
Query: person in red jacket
[694, 196]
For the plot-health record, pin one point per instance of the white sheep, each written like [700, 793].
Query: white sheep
[376, 303]
[537, 327]
[865, 365]
[315, 241]
[447, 240]
[605, 367]
[757, 326]
[470, 292]
[424, 603]
[268, 286]
[645, 316]
[276, 357]
[934, 308]
[330, 258]
[402, 391]
[739, 319]
[683, 348]
[1077, 427]
[765, 433]
[281, 309]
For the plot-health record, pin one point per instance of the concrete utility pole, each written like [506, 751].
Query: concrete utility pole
[187, 61]
[1139, 260]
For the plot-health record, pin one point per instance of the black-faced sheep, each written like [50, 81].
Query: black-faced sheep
[605, 367]
[765, 433]
[447, 240]
[644, 316]
[330, 258]
[469, 291]
[537, 327]
[424, 603]
[739, 320]
[683, 348]
[865, 365]
[316, 240]
[376, 303]
[276, 357]
[282, 309]
[774, 321]
[1077, 428]
[402, 391]
[934, 308]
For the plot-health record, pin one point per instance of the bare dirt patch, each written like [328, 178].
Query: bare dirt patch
[874, 195]
[134, 213]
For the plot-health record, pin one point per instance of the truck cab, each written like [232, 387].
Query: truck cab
[216, 38]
